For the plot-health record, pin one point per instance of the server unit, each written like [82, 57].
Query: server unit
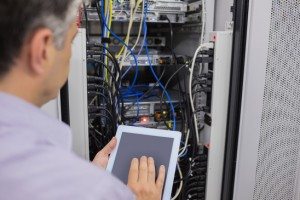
[160, 82]
[211, 137]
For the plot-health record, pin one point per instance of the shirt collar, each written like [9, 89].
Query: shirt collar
[15, 111]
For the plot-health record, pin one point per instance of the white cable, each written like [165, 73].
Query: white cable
[203, 19]
[133, 9]
[140, 29]
[141, 23]
[128, 34]
[185, 144]
[190, 90]
[181, 183]
[121, 11]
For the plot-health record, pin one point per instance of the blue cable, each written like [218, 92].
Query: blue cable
[152, 70]
[122, 42]
[144, 36]
[126, 72]
[132, 95]
[141, 48]
[139, 86]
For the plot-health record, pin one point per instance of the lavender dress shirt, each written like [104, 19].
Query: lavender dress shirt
[36, 162]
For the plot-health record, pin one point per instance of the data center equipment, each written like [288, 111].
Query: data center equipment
[156, 9]
[235, 103]
[138, 71]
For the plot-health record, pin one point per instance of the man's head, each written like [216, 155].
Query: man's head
[35, 46]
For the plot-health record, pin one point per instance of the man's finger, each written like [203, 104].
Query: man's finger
[109, 147]
[151, 170]
[161, 178]
[143, 170]
[133, 174]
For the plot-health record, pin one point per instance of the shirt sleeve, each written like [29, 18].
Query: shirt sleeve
[46, 172]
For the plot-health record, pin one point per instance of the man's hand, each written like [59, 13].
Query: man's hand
[141, 179]
[101, 159]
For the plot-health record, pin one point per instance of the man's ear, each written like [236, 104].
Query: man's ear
[40, 50]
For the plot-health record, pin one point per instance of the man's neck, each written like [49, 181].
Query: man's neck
[20, 88]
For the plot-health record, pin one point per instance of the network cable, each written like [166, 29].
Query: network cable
[123, 43]
[153, 72]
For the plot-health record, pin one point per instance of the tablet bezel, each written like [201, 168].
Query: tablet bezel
[175, 135]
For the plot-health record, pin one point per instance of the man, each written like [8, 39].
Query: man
[35, 157]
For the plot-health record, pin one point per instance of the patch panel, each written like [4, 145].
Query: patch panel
[160, 6]
[155, 60]
[146, 114]
[149, 107]
[175, 10]
[152, 16]
[151, 41]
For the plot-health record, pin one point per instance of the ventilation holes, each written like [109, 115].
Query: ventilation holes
[279, 142]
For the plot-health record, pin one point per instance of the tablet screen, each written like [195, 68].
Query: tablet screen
[137, 145]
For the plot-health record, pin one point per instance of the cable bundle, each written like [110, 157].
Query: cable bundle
[194, 186]
[107, 92]
[103, 89]
[202, 96]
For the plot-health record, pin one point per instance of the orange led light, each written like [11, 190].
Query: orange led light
[144, 119]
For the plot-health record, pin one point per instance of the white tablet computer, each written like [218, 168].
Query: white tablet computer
[135, 142]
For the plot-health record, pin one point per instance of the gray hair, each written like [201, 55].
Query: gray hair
[20, 18]
[59, 26]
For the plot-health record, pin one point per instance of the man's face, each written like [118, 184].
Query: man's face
[59, 65]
